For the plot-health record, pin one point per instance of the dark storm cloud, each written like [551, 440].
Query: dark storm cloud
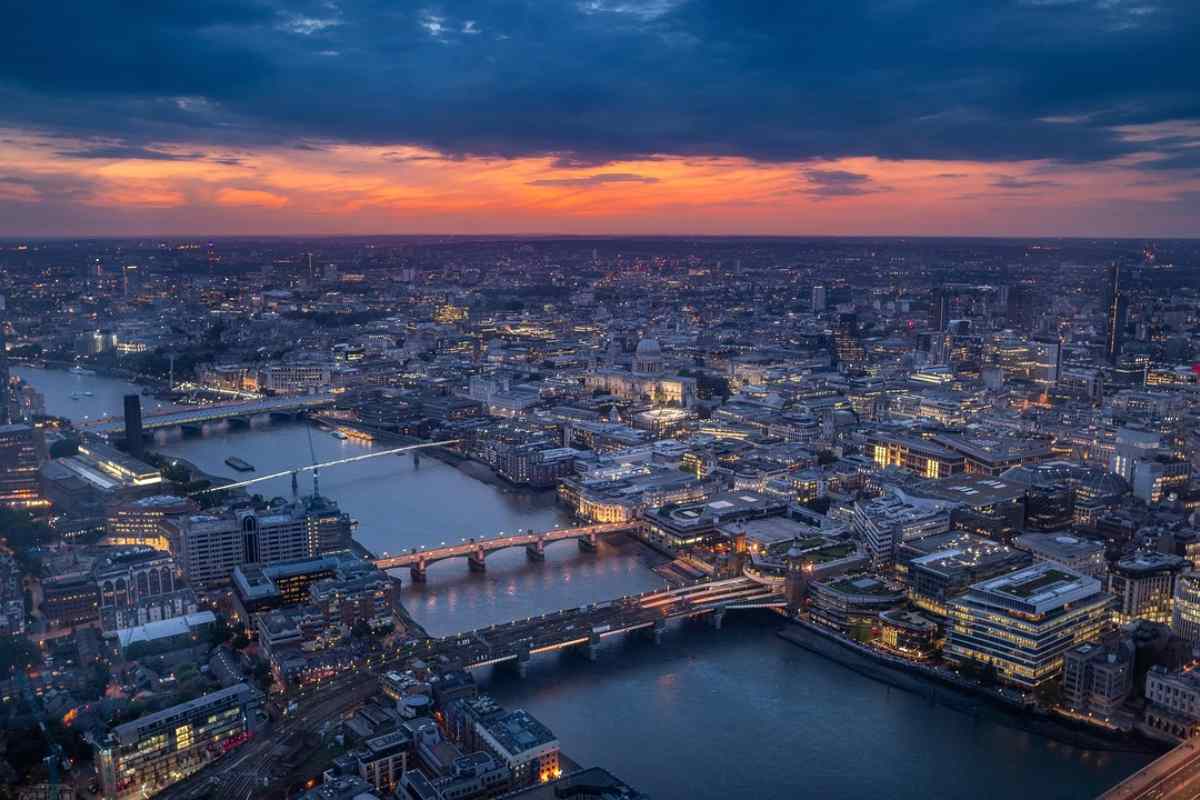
[595, 180]
[124, 151]
[1009, 182]
[589, 82]
[838, 183]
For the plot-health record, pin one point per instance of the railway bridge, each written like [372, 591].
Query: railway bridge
[584, 628]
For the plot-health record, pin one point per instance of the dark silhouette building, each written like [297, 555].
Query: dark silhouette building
[1020, 311]
[939, 309]
[1117, 312]
[134, 437]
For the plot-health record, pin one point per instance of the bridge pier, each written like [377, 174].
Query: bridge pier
[523, 663]
[417, 571]
[477, 561]
[536, 551]
[592, 650]
[588, 544]
[657, 631]
[716, 618]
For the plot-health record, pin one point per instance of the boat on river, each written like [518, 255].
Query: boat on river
[239, 464]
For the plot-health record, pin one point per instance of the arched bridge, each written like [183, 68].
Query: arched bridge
[477, 550]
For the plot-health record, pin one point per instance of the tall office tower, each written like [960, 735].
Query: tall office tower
[1117, 311]
[845, 340]
[4, 390]
[134, 436]
[130, 280]
[1020, 308]
[20, 459]
[820, 299]
[939, 309]
[1046, 358]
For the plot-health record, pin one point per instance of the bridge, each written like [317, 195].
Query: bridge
[584, 628]
[1173, 776]
[476, 551]
[234, 412]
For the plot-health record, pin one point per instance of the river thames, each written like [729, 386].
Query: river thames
[708, 714]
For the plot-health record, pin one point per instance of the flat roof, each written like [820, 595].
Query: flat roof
[1042, 586]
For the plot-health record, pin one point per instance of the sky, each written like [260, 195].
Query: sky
[854, 117]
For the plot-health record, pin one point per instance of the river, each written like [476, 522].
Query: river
[708, 714]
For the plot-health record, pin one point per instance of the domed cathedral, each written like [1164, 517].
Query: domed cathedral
[648, 358]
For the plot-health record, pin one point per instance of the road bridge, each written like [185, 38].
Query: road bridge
[239, 412]
[1174, 776]
[476, 550]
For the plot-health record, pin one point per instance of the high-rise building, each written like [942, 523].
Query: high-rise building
[1045, 361]
[135, 440]
[1117, 312]
[131, 282]
[4, 389]
[21, 456]
[820, 298]
[939, 309]
[143, 757]
[845, 340]
[1020, 308]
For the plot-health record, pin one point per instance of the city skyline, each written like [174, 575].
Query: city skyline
[1001, 119]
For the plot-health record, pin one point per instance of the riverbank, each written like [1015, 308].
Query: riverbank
[954, 694]
[475, 469]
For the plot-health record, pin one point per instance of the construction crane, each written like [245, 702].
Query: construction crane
[315, 467]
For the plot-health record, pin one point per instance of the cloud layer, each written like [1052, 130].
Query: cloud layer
[589, 87]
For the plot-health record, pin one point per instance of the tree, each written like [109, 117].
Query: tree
[176, 473]
[240, 642]
[219, 633]
[17, 653]
[64, 448]
[361, 630]
[263, 676]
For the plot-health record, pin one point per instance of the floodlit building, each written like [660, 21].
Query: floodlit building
[145, 756]
[1021, 623]
[1144, 585]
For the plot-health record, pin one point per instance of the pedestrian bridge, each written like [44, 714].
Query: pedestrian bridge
[476, 551]
[217, 412]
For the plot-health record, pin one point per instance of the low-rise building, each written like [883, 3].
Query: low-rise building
[143, 757]
[1072, 552]
[383, 760]
[852, 604]
[1020, 624]
[886, 522]
[1096, 679]
[1172, 703]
